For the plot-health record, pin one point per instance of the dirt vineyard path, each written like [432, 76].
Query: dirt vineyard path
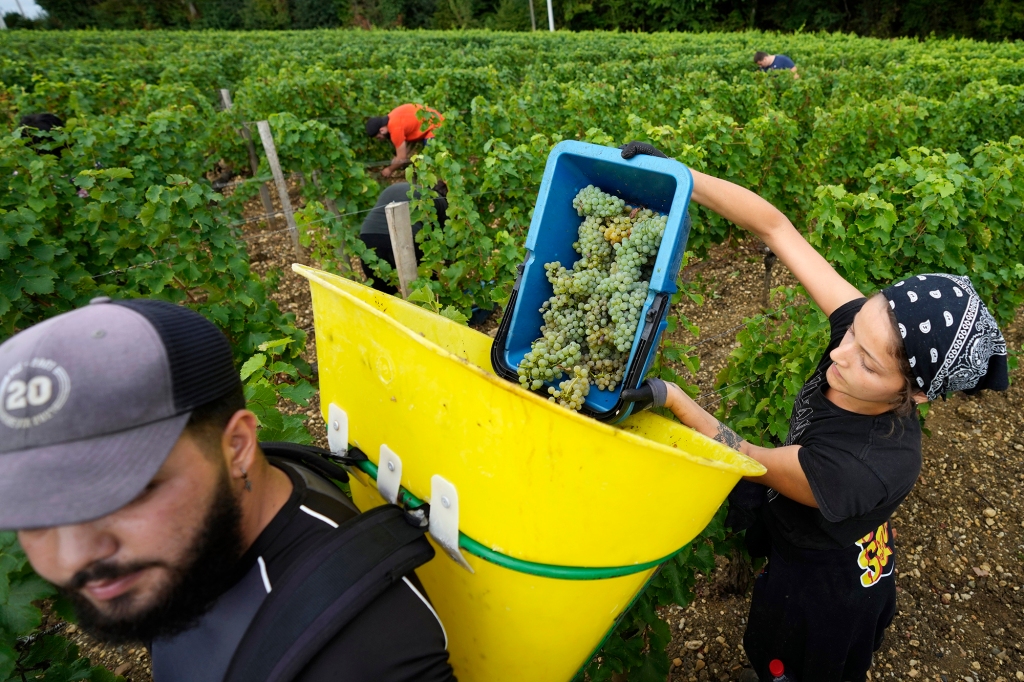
[959, 537]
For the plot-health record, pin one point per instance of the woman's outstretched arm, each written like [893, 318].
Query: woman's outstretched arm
[784, 475]
[759, 217]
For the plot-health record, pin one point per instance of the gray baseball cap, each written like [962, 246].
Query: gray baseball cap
[92, 401]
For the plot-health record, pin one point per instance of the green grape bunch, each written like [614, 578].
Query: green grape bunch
[572, 392]
[591, 201]
[592, 316]
[618, 229]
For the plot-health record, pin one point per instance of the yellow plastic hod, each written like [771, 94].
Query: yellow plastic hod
[535, 481]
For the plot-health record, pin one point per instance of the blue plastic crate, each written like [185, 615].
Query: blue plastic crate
[663, 185]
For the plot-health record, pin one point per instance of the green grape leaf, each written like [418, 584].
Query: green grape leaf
[425, 297]
[18, 615]
[271, 345]
[253, 364]
[454, 315]
[299, 393]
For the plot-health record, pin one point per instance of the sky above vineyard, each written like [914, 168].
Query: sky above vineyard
[31, 9]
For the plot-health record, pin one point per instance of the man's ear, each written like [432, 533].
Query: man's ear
[919, 397]
[240, 443]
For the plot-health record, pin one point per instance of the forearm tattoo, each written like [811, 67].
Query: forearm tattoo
[727, 436]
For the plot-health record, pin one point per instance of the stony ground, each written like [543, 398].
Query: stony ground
[959, 537]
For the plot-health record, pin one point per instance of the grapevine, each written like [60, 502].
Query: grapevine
[592, 316]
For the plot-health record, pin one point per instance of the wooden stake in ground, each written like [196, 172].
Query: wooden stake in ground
[402, 244]
[254, 161]
[267, 138]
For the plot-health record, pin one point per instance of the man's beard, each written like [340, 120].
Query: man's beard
[207, 570]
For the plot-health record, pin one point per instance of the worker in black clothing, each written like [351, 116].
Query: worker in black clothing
[131, 470]
[374, 231]
[44, 121]
[41, 121]
[853, 452]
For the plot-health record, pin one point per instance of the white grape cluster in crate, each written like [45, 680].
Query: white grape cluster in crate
[592, 316]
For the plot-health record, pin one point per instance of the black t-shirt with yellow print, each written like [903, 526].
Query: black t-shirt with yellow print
[860, 467]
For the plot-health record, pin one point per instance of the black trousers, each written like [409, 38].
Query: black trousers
[381, 245]
[823, 613]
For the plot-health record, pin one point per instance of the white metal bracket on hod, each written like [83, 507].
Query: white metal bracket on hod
[389, 474]
[444, 519]
[337, 430]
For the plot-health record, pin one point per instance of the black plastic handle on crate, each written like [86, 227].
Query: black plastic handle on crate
[631, 149]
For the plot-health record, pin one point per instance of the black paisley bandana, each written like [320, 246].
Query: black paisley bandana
[951, 339]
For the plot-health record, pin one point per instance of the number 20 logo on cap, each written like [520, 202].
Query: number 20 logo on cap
[32, 392]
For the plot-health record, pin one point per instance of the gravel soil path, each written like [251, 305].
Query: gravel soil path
[959, 537]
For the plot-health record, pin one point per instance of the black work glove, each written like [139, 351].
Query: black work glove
[631, 149]
[651, 393]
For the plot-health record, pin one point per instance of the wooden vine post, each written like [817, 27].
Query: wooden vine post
[254, 161]
[402, 244]
[267, 138]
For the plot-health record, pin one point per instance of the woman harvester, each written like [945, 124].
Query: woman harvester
[853, 451]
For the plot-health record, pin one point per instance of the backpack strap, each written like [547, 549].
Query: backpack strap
[324, 590]
[322, 461]
[309, 464]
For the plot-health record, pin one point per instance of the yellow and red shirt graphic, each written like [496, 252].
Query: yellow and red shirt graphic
[875, 556]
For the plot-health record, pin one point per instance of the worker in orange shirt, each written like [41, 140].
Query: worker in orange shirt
[405, 126]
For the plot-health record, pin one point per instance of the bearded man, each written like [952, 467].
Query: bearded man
[132, 472]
